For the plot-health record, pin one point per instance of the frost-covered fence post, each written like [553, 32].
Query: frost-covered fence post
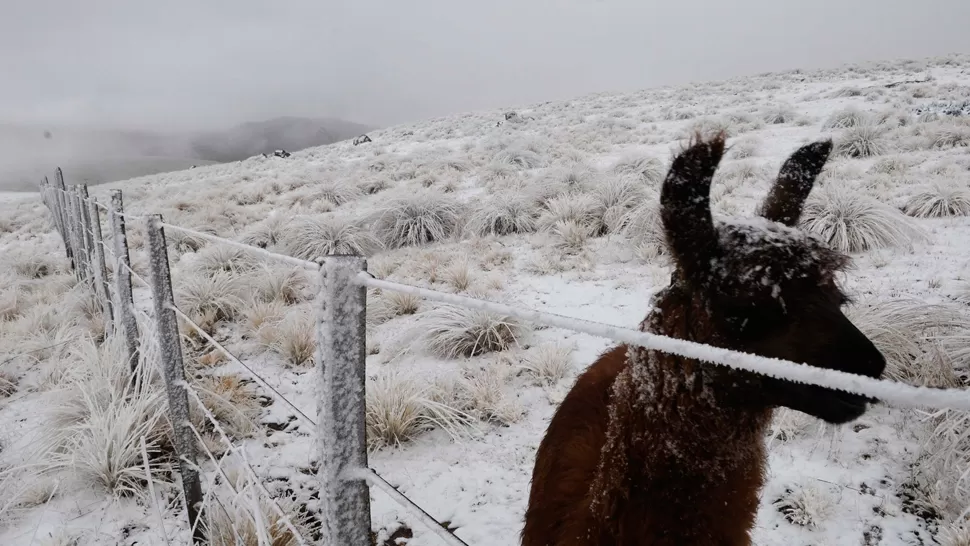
[88, 239]
[340, 357]
[99, 266]
[61, 199]
[124, 304]
[76, 229]
[170, 345]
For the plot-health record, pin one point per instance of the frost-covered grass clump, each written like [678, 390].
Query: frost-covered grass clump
[866, 140]
[503, 214]
[401, 406]
[648, 169]
[904, 329]
[454, 332]
[852, 222]
[98, 417]
[940, 198]
[421, 218]
[805, 506]
[550, 363]
[208, 298]
[315, 237]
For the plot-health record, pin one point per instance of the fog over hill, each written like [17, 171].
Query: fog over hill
[97, 155]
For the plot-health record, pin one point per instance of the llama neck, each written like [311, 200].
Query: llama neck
[667, 411]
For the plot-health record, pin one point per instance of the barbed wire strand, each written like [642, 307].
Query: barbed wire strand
[883, 390]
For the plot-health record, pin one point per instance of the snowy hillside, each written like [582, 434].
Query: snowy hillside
[553, 206]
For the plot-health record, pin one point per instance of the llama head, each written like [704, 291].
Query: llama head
[766, 287]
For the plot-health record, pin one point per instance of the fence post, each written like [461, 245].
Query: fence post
[75, 229]
[100, 269]
[60, 200]
[125, 304]
[340, 357]
[170, 344]
[88, 244]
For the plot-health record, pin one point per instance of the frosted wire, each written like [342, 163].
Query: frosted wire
[375, 480]
[886, 391]
[248, 248]
[236, 361]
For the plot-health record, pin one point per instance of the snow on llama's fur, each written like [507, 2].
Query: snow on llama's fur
[654, 449]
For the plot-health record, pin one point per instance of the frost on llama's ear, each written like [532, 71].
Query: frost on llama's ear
[685, 207]
[787, 196]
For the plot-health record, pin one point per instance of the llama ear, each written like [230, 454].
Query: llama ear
[685, 207]
[795, 180]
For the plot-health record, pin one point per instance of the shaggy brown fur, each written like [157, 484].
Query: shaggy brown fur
[654, 449]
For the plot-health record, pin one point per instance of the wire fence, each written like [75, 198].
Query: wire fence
[340, 353]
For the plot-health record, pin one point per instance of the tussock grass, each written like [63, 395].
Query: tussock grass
[263, 314]
[401, 407]
[218, 258]
[336, 191]
[421, 218]
[454, 332]
[481, 392]
[208, 299]
[549, 364]
[938, 199]
[805, 506]
[847, 118]
[294, 337]
[94, 423]
[646, 168]
[267, 233]
[232, 400]
[238, 514]
[901, 329]
[862, 141]
[315, 237]
[503, 214]
[580, 208]
[286, 284]
[778, 114]
[853, 222]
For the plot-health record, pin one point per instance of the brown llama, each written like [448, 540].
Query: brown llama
[654, 449]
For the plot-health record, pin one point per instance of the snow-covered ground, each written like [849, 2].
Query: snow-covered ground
[553, 207]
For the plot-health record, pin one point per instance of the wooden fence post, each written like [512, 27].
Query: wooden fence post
[87, 238]
[61, 199]
[166, 324]
[100, 269]
[340, 356]
[125, 303]
[73, 227]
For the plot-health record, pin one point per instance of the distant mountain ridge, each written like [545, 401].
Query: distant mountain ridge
[96, 156]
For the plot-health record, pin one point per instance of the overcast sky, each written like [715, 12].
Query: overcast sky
[180, 64]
